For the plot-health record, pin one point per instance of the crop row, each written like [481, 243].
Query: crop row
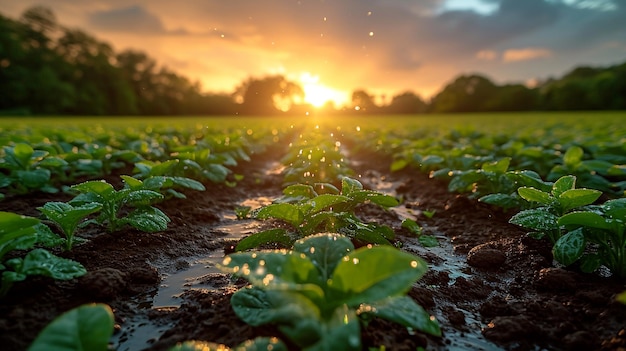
[566, 187]
[38, 159]
[559, 176]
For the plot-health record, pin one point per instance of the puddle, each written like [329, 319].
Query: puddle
[140, 331]
[202, 272]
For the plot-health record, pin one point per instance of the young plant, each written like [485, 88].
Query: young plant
[317, 292]
[590, 173]
[605, 229]
[417, 230]
[144, 216]
[21, 233]
[310, 211]
[165, 185]
[87, 327]
[28, 169]
[562, 198]
[68, 217]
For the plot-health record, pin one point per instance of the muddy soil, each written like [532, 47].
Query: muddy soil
[490, 287]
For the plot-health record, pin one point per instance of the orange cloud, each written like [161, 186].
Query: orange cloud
[514, 55]
[488, 55]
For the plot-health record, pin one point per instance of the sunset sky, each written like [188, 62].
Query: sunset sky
[332, 47]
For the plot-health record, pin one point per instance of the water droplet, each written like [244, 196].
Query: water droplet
[226, 261]
[312, 250]
[355, 260]
[414, 264]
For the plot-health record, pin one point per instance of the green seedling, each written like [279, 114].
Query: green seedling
[315, 158]
[38, 262]
[28, 169]
[242, 212]
[68, 218]
[590, 173]
[417, 230]
[429, 214]
[165, 185]
[87, 327]
[562, 198]
[605, 229]
[22, 233]
[144, 216]
[317, 293]
[258, 344]
[308, 210]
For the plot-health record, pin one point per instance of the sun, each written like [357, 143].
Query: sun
[318, 94]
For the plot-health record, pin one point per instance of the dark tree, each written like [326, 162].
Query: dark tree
[268, 95]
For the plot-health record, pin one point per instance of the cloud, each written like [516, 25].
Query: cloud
[488, 55]
[513, 55]
[416, 45]
[133, 19]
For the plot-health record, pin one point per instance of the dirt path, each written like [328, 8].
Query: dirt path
[489, 286]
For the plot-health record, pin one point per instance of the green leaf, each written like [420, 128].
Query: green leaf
[587, 219]
[411, 226]
[563, 184]
[341, 332]
[573, 156]
[504, 201]
[141, 197]
[16, 232]
[99, 187]
[148, 219]
[278, 269]
[402, 310]
[52, 162]
[42, 262]
[133, 183]
[287, 212]
[34, 179]
[276, 235]
[88, 327]
[22, 153]
[399, 164]
[299, 191]
[325, 251]
[538, 219]
[325, 188]
[216, 173]
[363, 196]
[428, 241]
[499, 166]
[258, 307]
[574, 198]
[569, 247]
[323, 201]
[589, 263]
[532, 194]
[46, 237]
[349, 185]
[188, 183]
[390, 272]
[68, 216]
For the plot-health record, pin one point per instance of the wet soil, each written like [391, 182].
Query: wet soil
[490, 287]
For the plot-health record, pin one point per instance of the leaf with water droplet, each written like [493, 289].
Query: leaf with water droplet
[327, 253]
[405, 311]
[382, 271]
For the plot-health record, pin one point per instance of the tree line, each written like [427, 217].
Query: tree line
[48, 69]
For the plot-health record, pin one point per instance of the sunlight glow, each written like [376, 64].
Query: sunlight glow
[318, 94]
